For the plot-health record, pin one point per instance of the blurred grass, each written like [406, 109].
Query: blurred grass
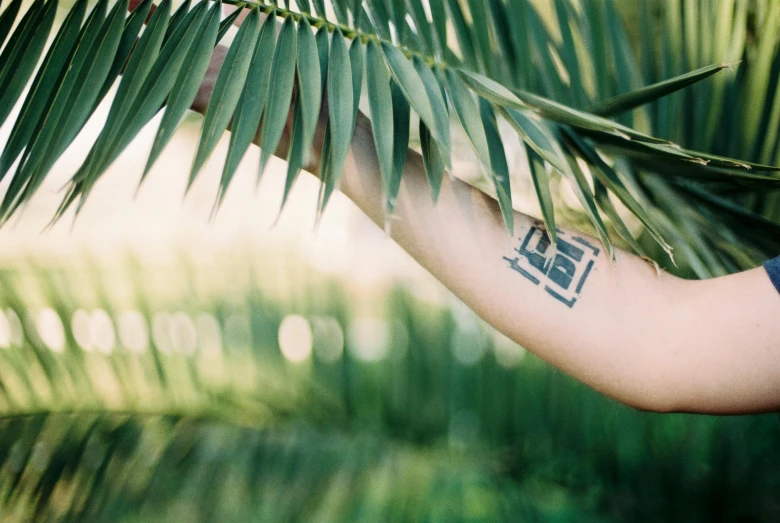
[426, 414]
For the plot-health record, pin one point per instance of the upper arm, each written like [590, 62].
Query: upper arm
[724, 354]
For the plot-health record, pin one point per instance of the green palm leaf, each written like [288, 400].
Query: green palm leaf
[498, 164]
[310, 84]
[20, 56]
[401, 120]
[482, 52]
[628, 101]
[43, 85]
[68, 107]
[432, 161]
[146, 52]
[340, 108]
[149, 97]
[227, 90]
[7, 19]
[250, 106]
[381, 105]
[422, 96]
[277, 105]
[185, 87]
[306, 112]
[541, 181]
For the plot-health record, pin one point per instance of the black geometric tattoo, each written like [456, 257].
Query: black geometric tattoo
[562, 275]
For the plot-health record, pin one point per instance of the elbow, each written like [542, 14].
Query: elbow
[643, 393]
[647, 401]
[655, 404]
[657, 370]
[652, 388]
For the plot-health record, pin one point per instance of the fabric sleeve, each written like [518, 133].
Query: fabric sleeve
[773, 269]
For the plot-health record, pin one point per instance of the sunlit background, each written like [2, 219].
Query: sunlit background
[160, 228]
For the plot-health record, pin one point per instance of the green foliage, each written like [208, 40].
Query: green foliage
[447, 426]
[450, 422]
[492, 58]
[227, 90]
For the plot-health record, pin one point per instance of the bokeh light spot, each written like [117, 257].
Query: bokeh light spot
[161, 332]
[295, 338]
[468, 344]
[101, 331]
[16, 329]
[133, 331]
[209, 334]
[328, 339]
[508, 353]
[79, 326]
[5, 331]
[369, 339]
[183, 333]
[50, 329]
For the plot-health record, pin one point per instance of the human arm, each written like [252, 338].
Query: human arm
[657, 343]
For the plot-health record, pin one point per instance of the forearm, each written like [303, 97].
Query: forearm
[591, 329]
[654, 342]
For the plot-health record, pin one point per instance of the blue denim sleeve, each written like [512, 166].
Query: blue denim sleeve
[773, 269]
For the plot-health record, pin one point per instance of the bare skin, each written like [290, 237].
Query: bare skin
[655, 343]
[661, 344]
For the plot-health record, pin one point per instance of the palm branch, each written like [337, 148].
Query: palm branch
[693, 167]
[148, 424]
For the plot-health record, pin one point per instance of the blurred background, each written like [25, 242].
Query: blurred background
[156, 365]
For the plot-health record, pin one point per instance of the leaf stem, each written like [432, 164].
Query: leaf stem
[317, 22]
[254, 419]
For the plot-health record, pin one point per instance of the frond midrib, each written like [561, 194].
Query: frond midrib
[348, 32]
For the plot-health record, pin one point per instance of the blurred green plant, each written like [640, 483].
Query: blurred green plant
[574, 90]
[193, 409]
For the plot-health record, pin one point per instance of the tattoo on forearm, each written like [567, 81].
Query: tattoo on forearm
[561, 271]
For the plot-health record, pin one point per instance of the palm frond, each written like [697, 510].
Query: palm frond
[95, 419]
[100, 424]
[120, 468]
[128, 412]
[434, 68]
